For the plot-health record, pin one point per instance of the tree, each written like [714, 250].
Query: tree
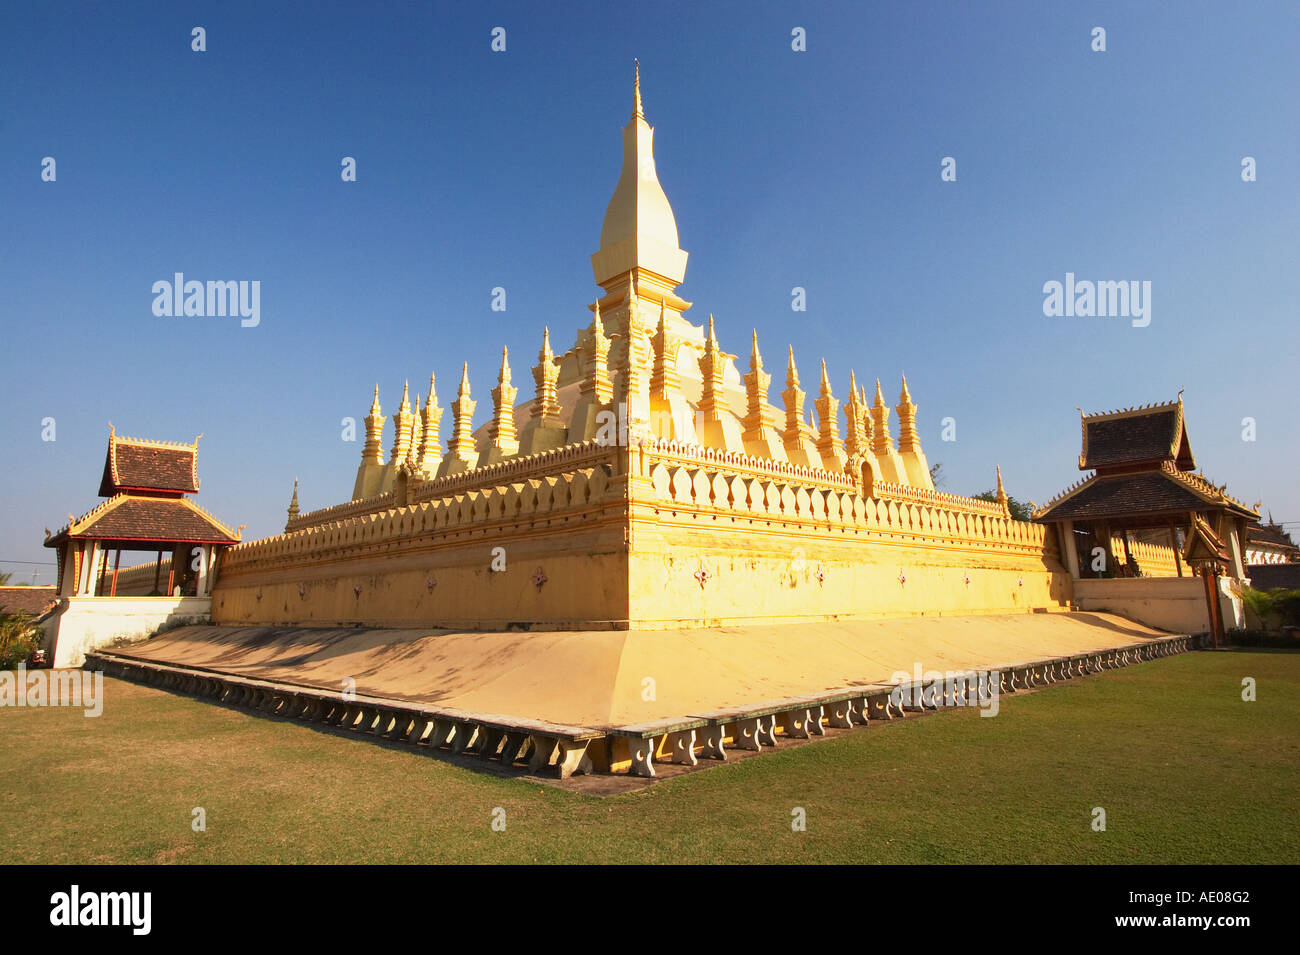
[5, 577]
[936, 474]
[1019, 511]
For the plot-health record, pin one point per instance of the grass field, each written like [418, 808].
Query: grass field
[1186, 771]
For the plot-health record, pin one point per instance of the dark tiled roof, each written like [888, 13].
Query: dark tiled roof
[1125, 495]
[1268, 534]
[146, 464]
[1121, 439]
[32, 600]
[130, 517]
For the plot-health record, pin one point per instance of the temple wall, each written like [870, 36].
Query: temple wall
[713, 545]
[138, 581]
[430, 564]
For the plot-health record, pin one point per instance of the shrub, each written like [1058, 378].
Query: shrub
[1278, 607]
[1286, 640]
[19, 639]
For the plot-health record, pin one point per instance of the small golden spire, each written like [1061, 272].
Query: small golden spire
[636, 107]
[464, 382]
[503, 376]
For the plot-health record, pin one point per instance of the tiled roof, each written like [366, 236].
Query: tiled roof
[1269, 534]
[1145, 435]
[135, 463]
[32, 600]
[1124, 495]
[132, 517]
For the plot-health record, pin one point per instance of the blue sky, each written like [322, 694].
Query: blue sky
[478, 169]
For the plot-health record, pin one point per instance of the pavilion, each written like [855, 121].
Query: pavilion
[146, 484]
[1143, 494]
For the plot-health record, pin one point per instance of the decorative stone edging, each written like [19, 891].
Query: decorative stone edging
[563, 751]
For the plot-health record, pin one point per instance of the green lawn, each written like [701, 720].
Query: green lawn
[1186, 771]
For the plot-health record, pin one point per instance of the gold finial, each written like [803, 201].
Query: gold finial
[905, 398]
[791, 372]
[636, 108]
[433, 395]
[464, 381]
[755, 359]
[503, 376]
[880, 395]
[826, 382]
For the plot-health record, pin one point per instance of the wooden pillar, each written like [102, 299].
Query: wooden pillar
[117, 565]
[1069, 548]
[1210, 575]
[1173, 542]
[157, 567]
[201, 583]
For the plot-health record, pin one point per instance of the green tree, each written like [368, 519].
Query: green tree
[1019, 510]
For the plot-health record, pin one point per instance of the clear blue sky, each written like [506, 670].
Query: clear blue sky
[479, 169]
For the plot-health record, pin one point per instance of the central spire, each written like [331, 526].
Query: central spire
[639, 231]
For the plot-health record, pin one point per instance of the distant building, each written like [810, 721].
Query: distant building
[1269, 544]
[36, 601]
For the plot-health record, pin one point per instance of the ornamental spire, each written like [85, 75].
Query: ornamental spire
[1002, 499]
[712, 366]
[501, 432]
[597, 380]
[293, 505]
[461, 443]
[908, 440]
[881, 442]
[758, 414]
[664, 380]
[639, 230]
[373, 450]
[636, 91]
[828, 433]
[795, 429]
[546, 405]
[430, 452]
[402, 426]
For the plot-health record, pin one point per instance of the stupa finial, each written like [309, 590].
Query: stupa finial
[636, 90]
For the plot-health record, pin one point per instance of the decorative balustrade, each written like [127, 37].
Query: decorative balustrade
[703, 487]
[516, 501]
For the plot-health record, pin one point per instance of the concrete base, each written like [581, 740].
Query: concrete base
[81, 624]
